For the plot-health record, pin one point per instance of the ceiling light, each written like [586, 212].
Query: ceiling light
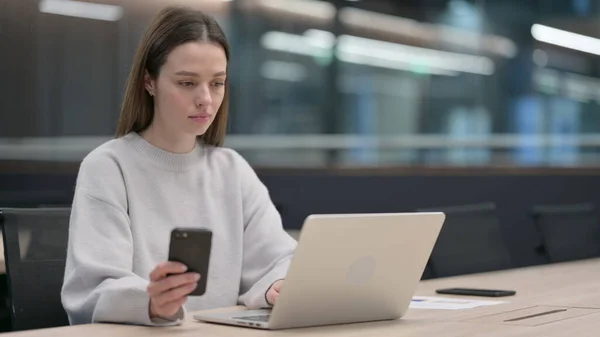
[566, 39]
[80, 9]
[315, 9]
[352, 49]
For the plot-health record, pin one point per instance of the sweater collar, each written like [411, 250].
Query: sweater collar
[165, 159]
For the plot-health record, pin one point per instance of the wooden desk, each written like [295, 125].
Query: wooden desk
[570, 285]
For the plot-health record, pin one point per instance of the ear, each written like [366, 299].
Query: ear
[149, 84]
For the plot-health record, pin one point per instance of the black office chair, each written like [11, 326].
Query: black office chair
[31, 199]
[470, 242]
[427, 273]
[35, 245]
[567, 232]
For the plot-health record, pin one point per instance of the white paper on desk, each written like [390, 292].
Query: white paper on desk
[445, 303]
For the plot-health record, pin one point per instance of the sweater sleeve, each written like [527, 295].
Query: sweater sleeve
[268, 249]
[99, 285]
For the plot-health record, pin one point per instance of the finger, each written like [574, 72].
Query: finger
[274, 291]
[174, 294]
[172, 282]
[169, 309]
[272, 297]
[165, 268]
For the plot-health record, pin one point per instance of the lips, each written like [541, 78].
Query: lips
[201, 118]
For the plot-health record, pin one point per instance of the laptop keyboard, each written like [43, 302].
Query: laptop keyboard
[257, 318]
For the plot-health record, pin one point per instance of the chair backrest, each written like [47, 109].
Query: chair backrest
[35, 250]
[470, 241]
[567, 232]
[427, 273]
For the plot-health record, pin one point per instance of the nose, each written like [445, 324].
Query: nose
[203, 96]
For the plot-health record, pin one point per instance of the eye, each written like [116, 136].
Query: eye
[187, 84]
[218, 84]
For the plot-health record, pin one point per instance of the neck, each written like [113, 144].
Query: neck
[158, 137]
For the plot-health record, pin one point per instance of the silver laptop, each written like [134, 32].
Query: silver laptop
[347, 269]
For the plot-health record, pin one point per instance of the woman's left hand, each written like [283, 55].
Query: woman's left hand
[273, 292]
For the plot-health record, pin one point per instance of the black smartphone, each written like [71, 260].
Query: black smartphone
[476, 292]
[192, 246]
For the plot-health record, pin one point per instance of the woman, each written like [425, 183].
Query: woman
[164, 170]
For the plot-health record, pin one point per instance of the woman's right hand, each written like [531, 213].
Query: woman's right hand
[169, 293]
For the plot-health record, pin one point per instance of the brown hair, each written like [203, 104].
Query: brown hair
[170, 28]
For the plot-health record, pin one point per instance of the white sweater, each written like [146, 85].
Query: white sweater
[130, 195]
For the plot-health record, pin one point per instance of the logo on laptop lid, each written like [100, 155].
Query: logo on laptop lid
[361, 271]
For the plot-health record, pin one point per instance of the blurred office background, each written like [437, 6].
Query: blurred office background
[341, 106]
[485, 109]
[327, 83]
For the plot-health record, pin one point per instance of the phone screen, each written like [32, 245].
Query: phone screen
[192, 247]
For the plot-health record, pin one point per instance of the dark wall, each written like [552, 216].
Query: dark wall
[298, 194]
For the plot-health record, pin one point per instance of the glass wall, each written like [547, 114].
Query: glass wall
[327, 83]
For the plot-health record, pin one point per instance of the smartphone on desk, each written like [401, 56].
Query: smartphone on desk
[476, 292]
[192, 247]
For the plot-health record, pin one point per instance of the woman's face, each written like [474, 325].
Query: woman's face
[189, 89]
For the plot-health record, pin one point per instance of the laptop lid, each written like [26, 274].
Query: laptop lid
[352, 268]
